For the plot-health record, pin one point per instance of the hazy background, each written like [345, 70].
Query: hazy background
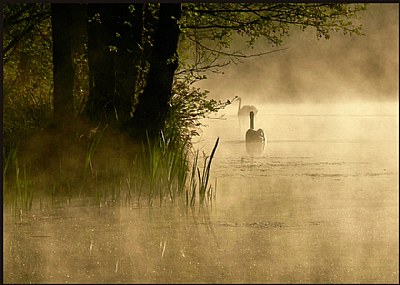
[343, 68]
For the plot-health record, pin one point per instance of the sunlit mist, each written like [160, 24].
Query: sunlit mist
[309, 69]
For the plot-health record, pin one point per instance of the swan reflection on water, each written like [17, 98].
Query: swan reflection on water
[255, 139]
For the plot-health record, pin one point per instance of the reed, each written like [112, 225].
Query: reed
[8, 158]
[128, 194]
[20, 191]
[199, 179]
[191, 190]
[164, 171]
[96, 137]
[17, 185]
[165, 165]
[204, 189]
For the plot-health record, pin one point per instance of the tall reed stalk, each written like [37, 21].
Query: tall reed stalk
[204, 188]
[96, 138]
[163, 172]
[166, 161]
[8, 159]
[17, 186]
[203, 175]
[21, 192]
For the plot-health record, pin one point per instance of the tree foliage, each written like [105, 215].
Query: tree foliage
[208, 32]
[210, 28]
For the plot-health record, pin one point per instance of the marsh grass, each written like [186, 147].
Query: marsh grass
[163, 172]
[205, 190]
[24, 190]
[17, 184]
[167, 167]
[8, 158]
[95, 135]
[199, 179]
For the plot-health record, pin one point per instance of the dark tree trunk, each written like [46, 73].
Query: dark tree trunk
[114, 53]
[127, 58]
[101, 64]
[63, 72]
[79, 27]
[79, 53]
[23, 67]
[149, 27]
[150, 21]
[153, 106]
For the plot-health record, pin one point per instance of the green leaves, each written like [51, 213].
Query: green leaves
[211, 26]
[188, 106]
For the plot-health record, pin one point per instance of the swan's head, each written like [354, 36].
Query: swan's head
[237, 98]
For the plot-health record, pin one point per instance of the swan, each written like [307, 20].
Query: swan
[255, 140]
[246, 109]
[253, 136]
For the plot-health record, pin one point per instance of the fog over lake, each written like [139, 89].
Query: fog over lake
[340, 69]
[318, 204]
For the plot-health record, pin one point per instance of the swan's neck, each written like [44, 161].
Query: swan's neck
[252, 120]
[240, 104]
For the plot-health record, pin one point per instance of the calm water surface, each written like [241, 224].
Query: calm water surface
[319, 205]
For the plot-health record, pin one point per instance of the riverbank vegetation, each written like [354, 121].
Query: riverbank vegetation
[99, 99]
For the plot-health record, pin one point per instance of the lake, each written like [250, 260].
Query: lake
[320, 204]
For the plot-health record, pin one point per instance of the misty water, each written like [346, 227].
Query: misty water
[319, 205]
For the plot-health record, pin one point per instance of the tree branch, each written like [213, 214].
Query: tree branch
[235, 55]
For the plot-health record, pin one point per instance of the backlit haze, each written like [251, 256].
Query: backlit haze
[342, 69]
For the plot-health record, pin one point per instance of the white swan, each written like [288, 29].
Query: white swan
[246, 109]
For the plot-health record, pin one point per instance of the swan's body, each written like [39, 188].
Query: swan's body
[246, 109]
[253, 136]
[255, 139]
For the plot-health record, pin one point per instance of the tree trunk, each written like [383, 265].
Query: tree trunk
[114, 53]
[79, 54]
[151, 111]
[127, 57]
[101, 64]
[63, 72]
